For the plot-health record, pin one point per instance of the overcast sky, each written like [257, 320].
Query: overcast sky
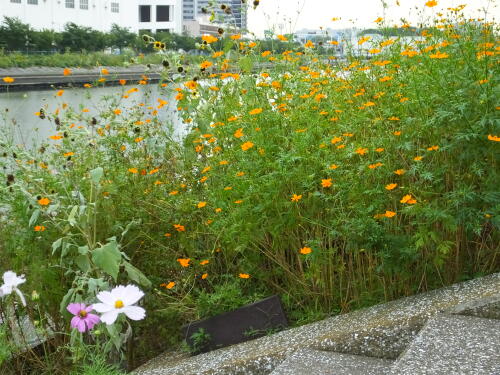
[290, 15]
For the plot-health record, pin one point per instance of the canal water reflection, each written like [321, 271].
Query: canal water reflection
[17, 109]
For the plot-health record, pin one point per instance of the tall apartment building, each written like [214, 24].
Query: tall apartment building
[192, 10]
[150, 15]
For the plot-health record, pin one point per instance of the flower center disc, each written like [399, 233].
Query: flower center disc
[82, 313]
[118, 304]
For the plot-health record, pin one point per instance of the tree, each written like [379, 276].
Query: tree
[120, 37]
[15, 35]
[78, 38]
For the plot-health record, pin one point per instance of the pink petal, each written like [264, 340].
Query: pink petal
[82, 327]
[75, 321]
[92, 320]
[74, 308]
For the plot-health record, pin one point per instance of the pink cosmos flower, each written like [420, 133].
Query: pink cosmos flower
[82, 320]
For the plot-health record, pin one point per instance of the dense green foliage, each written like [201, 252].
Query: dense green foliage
[18, 36]
[336, 185]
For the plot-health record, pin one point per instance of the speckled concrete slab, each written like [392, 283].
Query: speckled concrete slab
[487, 307]
[382, 331]
[453, 344]
[317, 362]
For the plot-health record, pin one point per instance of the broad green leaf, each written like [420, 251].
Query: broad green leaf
[66, 300]
[83, 262]
[246, 64]
[34, 217]
[56, 245]
[96, 175]
[71, 217]
[108, 259]
[136, 275]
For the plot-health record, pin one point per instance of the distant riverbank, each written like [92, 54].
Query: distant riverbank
[41, 78]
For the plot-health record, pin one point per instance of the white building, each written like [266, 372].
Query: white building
[150, 15]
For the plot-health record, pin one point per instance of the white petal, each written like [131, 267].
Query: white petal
[21, 296]
[6, 289]
[102, 307]
[109, 317]
[118, 293]
[107, 298]
[132, 295]
[11, 278]
[134, 312]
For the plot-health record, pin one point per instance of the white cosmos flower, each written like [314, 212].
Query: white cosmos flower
[120, 300]
[11, 282]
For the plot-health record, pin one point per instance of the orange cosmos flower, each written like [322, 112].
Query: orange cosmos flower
[389, 214]
[439, 55]
[418, 158]
[206, 64]
[431, 3]
[104, 71]
[408, 199]
[333, 166]
[265, 53]
[244, 276]
[170, 285]
[433, 148]
[239, 133]
[204, 262]
[309, 44]
[236, 36]
[391, 186]
[60, 92]
[397, 133]
[296, 198]
[305, 250]
[209, 39]
[117, 111]
[179, 228]
[336, 140]
[326, 182]
[493, 138]
[246, 146]
[8, 79]
[67, 71]
[184, 262]
[39, 228]
[256, 111]
[282, 38]
[400, 172]
[376, 165]
[361, 151]
[204, 276]
[44, 201]
[363, 40]
[68, 154]
[202, 204]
